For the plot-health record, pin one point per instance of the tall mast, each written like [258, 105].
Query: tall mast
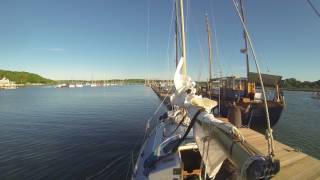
[183, 38]
[177, 31]
[209, 44]
[245, 38]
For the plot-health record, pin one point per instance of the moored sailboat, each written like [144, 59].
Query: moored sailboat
[244, 93]
[189, 142]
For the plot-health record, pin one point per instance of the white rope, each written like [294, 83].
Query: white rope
[269, 135]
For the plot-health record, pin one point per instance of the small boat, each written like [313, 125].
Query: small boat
[10, 87]
[93, 85]
[315, 95]
[61, 86]
[71, 85]
[79, 85]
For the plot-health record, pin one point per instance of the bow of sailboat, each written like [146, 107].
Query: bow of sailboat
[189, 142]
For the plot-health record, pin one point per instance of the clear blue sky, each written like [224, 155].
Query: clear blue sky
[84, 39]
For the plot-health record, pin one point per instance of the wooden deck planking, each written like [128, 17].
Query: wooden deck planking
[294, 164]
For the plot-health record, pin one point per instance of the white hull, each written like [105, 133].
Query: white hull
[71, 86]
[9, 87]
[162, 135]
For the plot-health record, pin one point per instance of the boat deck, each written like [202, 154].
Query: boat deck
[293, 164]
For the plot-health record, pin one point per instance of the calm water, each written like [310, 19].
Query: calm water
[300, 123]
[48, 133]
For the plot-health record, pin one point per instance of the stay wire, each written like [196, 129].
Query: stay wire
[314, 8]
[269, 135]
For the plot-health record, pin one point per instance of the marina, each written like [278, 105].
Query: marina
[157, 90]
[61, 141]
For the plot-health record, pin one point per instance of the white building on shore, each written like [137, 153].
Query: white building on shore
[7, 84]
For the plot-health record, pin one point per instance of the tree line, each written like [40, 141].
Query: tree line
[21, 77]
[293, 83]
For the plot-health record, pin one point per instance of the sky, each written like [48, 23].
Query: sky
[104, 39]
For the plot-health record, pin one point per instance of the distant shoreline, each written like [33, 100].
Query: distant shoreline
[302, 89]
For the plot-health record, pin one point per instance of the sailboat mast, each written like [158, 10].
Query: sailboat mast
[183, 38]
[209, 44]
[245, 39]
[177, 32]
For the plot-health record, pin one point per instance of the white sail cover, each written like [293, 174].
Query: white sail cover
[211, 151]
[182, 83]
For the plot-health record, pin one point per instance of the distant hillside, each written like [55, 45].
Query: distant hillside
[293, 84]
[24, 77]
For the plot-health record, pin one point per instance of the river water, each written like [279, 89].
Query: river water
[89, 133]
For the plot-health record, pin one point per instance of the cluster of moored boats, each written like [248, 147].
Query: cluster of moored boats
[80, 85]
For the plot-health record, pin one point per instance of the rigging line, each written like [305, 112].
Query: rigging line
[148, 28]
[314, 8]
[152, 116]
[115, 170]
[148, 32]
[127, 174]
[217, 54]
[130, 165]
[187, 25]
[269, 135]
[216, 42]
[148, 125]
[200, 47]
[170, 31]
[106, 167]
[143, 139]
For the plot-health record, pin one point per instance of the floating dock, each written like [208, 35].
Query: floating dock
[293, 163]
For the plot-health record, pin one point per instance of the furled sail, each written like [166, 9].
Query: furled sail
[216, 139]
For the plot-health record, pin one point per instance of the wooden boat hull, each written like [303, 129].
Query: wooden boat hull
[254, 116]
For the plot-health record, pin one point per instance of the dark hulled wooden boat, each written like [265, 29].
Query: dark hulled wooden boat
[243, 94]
